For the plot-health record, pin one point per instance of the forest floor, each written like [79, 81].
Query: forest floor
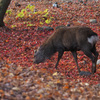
[20, 78]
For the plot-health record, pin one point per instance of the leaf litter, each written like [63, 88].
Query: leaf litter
[20, 79]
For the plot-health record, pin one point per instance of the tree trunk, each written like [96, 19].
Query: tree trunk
[3, 7]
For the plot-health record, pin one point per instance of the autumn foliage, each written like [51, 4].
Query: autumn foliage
[20, 77]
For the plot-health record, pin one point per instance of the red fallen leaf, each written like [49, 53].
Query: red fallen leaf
[51, 71]
[43, 70]
[7, 66]
[8, 61]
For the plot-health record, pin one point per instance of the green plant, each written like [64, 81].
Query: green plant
[9, 12]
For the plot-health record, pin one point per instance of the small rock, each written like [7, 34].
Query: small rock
[55, 5]
[45, 28]
[98, 61]
[93, 21]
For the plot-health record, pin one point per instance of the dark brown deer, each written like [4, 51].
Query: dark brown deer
[69, 39]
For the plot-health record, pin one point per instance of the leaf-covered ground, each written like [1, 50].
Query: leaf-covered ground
[21, 79]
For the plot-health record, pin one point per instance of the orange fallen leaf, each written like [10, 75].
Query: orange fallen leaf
[1, 91]
[27, 98]
[66, 87]
[98, 70]
[40, 96]
[38, 82]
[7, 66]
[66, 83]
[6, 40]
